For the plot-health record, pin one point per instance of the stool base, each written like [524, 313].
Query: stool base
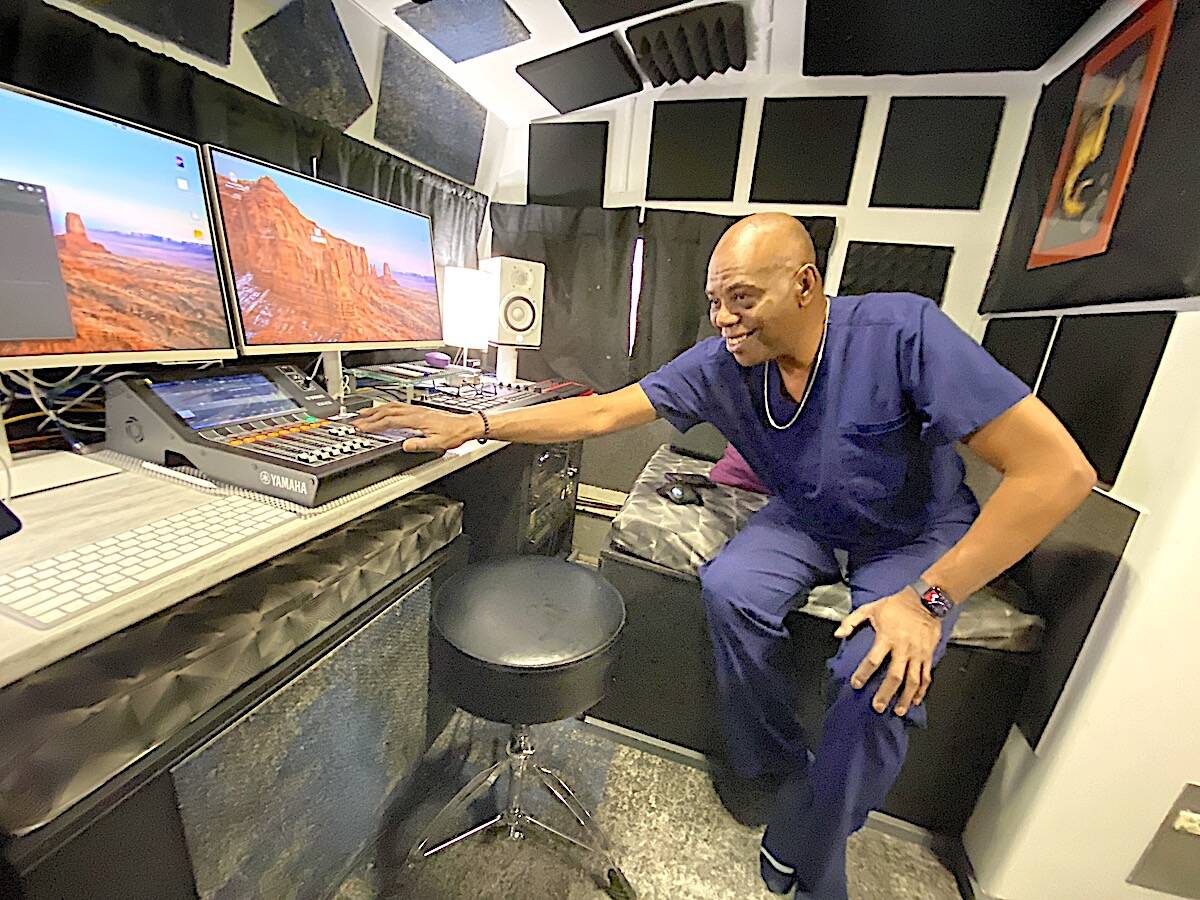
[520, 765]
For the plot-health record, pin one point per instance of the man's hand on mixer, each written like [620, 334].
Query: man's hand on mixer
[441, 430]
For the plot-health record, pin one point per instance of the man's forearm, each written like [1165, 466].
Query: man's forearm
[572, 419]
[1015, 519]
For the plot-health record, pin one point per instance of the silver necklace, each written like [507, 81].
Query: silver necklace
[808, 385]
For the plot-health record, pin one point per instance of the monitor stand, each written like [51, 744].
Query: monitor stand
[331, 365]
[44, 470]
[506, 365]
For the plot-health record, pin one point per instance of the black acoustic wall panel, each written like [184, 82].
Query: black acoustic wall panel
[1020, 344]
[916, 268]
[589, 14]
[583, 75]
[937, 152]
[806, 149]
[204, 28]
[1153, 252]
[874, 37]
[567, 163]
[465, 29]
[306, 58]
[1098, 377]
[695, 43]
[694, 148]
[425, 115]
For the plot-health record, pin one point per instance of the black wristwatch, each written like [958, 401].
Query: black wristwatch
[933, 598]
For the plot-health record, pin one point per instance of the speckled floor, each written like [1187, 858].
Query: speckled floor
[668, 829]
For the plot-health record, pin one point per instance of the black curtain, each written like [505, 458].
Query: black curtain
[61, 55]
[457, 211]
[588, 253]
[672, 307]
[672, 304]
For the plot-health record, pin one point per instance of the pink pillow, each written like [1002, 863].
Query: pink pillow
[733, 470]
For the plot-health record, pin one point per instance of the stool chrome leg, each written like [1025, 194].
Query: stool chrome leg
[519, 763]
[471, 791]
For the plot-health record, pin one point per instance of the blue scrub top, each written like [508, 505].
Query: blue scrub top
[871, 460]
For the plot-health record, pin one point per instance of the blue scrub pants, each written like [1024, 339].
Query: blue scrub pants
[748, 589]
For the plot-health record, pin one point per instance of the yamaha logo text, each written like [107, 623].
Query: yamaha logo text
[283, 482]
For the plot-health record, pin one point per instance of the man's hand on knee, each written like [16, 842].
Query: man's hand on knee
[909, 635]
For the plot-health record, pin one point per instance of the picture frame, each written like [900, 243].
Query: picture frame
[1101, 141]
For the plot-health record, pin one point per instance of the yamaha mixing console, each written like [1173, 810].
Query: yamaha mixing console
[460, 392]
[268, 430]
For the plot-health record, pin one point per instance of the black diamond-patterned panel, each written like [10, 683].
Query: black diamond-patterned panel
[204, 28]
[427, 116]
[465, 29]
[937, 152]
[306, 58]
[583, 75]
[917, 268]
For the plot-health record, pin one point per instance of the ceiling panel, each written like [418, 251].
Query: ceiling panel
[874, 37]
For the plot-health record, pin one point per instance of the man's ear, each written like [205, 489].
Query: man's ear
[808, 283]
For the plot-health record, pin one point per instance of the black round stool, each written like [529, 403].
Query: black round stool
[524, 640]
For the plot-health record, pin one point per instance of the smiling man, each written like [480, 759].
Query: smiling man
[848, 409]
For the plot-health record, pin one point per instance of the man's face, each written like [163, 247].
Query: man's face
[753, 307]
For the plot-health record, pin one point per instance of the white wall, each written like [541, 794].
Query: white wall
[1072, 820]
[366, 38]
[973, 234]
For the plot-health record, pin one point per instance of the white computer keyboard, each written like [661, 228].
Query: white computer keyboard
[52, 591]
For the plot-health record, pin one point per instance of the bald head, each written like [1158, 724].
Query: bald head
[762, 283]
[767, 240]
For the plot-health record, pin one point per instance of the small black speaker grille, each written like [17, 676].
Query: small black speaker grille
[695, 43]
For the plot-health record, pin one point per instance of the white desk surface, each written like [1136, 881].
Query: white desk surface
[56, 521]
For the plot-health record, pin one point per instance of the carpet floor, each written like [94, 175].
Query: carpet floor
[669, 831]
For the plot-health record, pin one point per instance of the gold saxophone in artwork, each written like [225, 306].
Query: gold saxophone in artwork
[1087, 150]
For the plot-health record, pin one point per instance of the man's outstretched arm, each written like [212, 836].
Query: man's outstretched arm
[547, 423]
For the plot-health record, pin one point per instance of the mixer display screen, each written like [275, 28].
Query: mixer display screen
[224, 399]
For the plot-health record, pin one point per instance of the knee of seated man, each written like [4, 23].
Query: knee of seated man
[845, 663]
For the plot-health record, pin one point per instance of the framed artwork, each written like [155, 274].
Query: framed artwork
[1102, 139]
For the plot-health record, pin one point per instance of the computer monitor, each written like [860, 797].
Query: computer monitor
[317, 267]
[106, 249]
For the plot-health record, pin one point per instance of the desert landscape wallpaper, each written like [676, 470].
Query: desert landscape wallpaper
[130, 227]
[313, 264]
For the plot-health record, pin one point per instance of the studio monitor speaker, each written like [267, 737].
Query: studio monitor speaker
[521, 283]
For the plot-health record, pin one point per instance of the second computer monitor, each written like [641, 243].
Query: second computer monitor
[316, 267]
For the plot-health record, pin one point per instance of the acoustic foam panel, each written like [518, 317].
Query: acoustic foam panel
[875, 37]
[806, 149]
[427, 116]
[916, 268]
[589, 14]
[204, 28]
[1149, 256]
[306, 58]
[694, 149]
[1098, 377]
[567, 163]
[695, 43]
[937, 152]
[465, 29]
[1020, 344]
[583, 75]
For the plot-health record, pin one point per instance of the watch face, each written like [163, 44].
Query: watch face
[936, 603]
